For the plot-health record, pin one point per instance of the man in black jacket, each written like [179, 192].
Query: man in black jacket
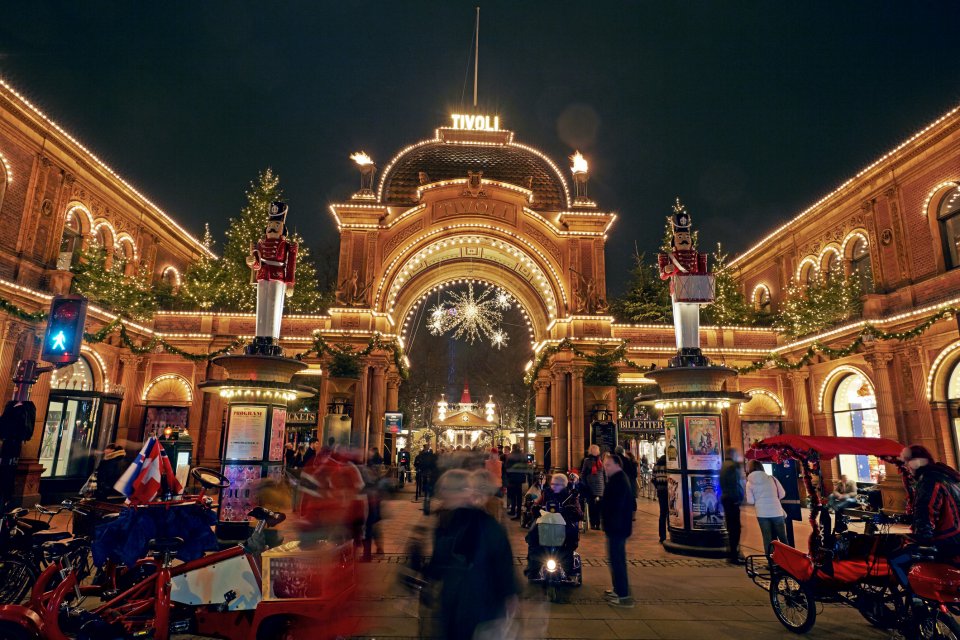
[516, 469]
[617, 516]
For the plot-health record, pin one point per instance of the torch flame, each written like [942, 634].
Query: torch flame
[361, 158]
[579, 163]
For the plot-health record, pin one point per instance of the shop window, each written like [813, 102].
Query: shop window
[860, 264]
[948, 217]
[855, 414]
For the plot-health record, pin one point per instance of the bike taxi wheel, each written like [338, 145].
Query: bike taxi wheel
[17, 577]
[942, 627]
[792, 603]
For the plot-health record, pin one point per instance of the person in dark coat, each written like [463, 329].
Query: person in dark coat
[660, 484]
[732, 491]
[631, 468]
[473, 562]
[935, 509]
[516, 469]
[111, 467]
[593, 480]
[618, 525]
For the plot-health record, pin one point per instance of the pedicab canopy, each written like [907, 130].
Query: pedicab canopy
[779, 448]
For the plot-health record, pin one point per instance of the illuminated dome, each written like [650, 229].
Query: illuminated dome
[445, 159]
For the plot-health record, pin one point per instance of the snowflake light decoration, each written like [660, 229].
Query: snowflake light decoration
[471, 317]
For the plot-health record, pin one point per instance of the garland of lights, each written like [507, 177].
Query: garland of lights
[602, 358]
[322, 347]
[776, 360]
[471, 318]
[154, 343]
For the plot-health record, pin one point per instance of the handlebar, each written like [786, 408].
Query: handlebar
[66, 505]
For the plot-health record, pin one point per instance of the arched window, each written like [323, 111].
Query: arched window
[953, 405]
[71, 242]
[127, 252]
[806, 271]
[855, 414]
[832, 265]
[860, 264]
[761, 298]
[77, 376]
[948, 217]
[171, 278]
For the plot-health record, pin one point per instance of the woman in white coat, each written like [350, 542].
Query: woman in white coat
[764, 492]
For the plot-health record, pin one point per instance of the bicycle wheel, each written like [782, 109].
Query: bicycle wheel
[17, 578]
[792, 603]
[943, 626]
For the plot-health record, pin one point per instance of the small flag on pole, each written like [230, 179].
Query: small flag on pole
[142, 480]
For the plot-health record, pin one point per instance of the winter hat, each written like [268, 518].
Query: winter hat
[920, 451]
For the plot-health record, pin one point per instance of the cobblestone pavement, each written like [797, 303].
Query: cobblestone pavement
[677, 597]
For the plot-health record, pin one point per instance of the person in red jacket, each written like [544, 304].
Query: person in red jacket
[935, 508]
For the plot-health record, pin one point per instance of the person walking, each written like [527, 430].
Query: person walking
[764, 492]
[618, 526]
[732, 491]
[418, 479]
[631, 468]
[473, 563]
[428, 468]
[660, 484]
[594, 481]
[516, 473]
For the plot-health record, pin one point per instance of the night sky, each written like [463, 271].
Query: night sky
[748, 111]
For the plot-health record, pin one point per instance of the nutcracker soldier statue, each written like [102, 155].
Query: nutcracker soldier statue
[273, 260]
[690, 287]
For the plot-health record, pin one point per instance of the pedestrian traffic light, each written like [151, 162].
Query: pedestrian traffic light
[61, 342]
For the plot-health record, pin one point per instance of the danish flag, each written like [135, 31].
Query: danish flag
[142, 480]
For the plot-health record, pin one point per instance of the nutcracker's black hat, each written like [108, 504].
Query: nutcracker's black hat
[680, 220]
[277, 212]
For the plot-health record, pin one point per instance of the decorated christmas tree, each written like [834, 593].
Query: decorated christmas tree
[648, 297]
[823, 302]
[730, 307]
[202, 285]
[106, 283]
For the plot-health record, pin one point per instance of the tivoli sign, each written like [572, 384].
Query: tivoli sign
[475, 123]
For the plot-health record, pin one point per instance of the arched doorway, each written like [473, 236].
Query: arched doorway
[953, 406]
[81, 419]
[855, 414]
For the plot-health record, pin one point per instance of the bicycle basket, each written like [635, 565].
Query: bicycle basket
[552, 530]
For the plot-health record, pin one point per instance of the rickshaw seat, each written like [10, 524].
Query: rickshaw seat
[792, 560]
[800, 565]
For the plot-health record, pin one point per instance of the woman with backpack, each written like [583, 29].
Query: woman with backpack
[594, 480]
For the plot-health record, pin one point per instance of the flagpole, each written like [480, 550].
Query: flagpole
[476, 59]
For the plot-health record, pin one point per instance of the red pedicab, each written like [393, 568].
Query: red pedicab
[851, 568]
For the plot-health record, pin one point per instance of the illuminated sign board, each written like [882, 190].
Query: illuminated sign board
[475, 122]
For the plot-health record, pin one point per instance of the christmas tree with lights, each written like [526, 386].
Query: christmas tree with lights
[108, 284]
[201, 282]
[232, 280]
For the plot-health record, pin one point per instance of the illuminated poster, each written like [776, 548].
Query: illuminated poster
[671, 433]
[278, 431]
[248, 426]
[706, 511]
[237, 500]
[703, 442]
[754, 432]
[675, 500]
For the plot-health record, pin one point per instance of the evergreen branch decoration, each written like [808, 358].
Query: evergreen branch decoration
[349, 360]
[33, 318]
[868, 330]
[599, 365]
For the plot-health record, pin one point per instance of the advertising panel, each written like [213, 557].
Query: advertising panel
[248, 429]
[703, 442]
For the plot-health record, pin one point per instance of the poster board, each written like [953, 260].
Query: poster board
[278, 434]
[604, 435]
[675, 514]
[703, 442]
[671, 433]
[247, 432]
[706, 511]
[237, 500]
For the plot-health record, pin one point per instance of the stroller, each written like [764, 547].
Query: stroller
[529, 499]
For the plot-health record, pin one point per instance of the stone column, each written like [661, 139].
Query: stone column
[359, 435]
[131, 395]
[393, 392]
[733, 431]
[542, 389]
[561, 422]
[800, 409]
[891, 488]
[577, 414]
[928, 435]
[378, 403]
